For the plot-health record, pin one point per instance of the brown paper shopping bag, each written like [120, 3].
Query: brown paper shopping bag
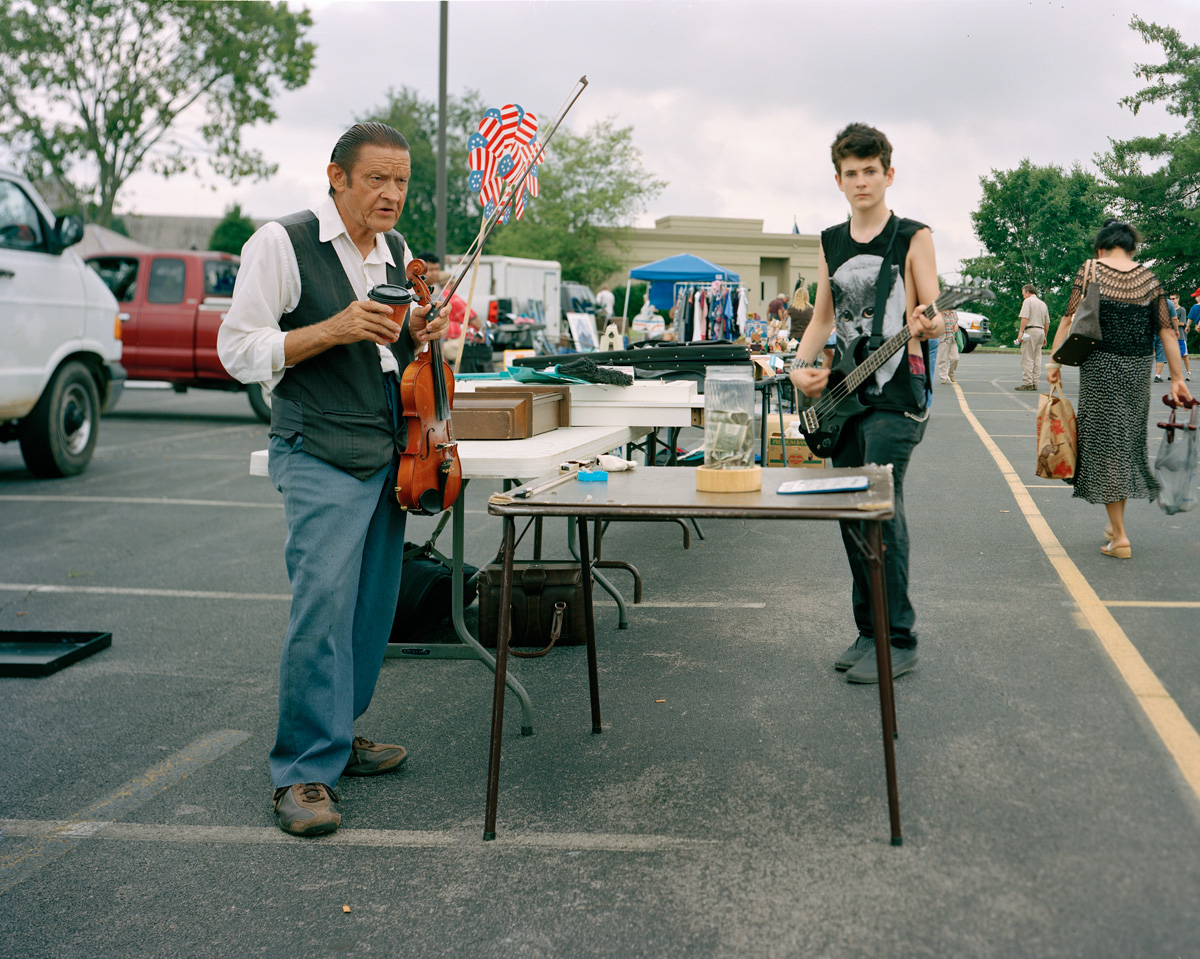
[1055, 436]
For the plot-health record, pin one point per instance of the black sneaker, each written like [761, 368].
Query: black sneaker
[867, 670]
[1157, 378]
[854, 652]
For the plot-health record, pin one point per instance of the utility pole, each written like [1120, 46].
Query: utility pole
[440, 201]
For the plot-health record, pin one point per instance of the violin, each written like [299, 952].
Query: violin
[430, 475]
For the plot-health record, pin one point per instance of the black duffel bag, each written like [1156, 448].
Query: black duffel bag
[425, 595]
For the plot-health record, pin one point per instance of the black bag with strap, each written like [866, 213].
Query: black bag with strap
[1085, 333]
[547, 606]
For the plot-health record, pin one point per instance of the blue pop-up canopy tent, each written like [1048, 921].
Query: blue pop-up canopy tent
[681, 268]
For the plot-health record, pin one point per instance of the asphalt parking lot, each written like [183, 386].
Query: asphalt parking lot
[734, 805]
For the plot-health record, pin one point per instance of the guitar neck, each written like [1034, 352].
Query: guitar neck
[890, 348]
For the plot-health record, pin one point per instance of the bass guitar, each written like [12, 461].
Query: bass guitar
[823, 422]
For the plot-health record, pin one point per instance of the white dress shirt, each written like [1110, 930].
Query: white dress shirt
[250, 342]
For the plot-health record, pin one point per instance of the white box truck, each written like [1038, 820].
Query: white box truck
[531, 286]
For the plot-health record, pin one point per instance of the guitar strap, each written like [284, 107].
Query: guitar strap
[883, 289]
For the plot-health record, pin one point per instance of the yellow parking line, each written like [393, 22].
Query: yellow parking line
[1153, 604]
[1177, 734]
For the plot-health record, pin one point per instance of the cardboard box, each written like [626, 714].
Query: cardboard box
[772, 424]
[798, 453]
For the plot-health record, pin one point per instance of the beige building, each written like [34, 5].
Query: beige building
[768, 264]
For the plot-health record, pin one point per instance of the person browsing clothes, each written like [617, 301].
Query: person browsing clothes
[302, 323]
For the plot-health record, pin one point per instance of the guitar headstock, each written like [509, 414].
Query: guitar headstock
[972, 290]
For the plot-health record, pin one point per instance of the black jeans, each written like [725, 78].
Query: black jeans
[883, 437]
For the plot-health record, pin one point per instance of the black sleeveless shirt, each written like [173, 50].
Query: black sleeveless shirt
[853, 270]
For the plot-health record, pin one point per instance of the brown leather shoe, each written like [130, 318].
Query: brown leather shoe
[306, 809]
[373, 759]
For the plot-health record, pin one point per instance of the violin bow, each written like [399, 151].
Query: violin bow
[476, 249]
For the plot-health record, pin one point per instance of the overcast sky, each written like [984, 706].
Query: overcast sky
[735, 104]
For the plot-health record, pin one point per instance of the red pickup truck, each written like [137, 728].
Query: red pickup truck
[172, 304]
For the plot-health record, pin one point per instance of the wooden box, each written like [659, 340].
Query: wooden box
[482, 417]
[545, 396]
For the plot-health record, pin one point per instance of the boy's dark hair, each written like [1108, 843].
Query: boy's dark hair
[1115, 234]
[345, 151]
[863, 142]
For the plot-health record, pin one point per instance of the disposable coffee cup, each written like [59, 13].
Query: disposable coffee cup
[399, 298]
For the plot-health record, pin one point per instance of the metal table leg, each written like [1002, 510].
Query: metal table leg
[504, 633]
[872, 550]
[622, 611]
[471, 649]
[590, 621]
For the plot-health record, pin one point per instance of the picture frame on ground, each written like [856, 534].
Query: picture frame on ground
[583, 332]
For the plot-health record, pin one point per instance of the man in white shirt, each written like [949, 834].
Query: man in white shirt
[606, 301]
[301, 322]
[1035, 319]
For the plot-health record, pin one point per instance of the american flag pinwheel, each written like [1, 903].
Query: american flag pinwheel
[498, 155]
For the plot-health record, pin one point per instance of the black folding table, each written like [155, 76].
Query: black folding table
[668, 493]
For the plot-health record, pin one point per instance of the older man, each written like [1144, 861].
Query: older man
[301, 321]
[1035, 320]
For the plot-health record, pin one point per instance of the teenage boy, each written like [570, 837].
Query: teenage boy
[848, 267]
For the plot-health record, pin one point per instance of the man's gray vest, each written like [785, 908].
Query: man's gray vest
[337, 400]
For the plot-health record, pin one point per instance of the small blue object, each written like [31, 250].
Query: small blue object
[593, 476]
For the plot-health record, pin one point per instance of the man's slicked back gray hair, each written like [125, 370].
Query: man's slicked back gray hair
[345, 151]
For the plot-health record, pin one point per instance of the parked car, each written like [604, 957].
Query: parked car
[60, 346]
[973, 329]
[172, 304]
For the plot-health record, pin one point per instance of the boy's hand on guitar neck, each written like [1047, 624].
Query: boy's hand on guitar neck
[926, 327]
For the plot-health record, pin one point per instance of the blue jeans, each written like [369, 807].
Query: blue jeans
[883, 437]
[933, 352]
[344, 550]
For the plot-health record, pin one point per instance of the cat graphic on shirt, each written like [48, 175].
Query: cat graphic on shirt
[853, 288]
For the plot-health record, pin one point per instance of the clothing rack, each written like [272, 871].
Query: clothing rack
[723, 306]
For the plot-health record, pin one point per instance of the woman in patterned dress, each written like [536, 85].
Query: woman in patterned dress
[1114, 382]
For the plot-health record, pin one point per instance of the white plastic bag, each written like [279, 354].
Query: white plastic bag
[1175, 466]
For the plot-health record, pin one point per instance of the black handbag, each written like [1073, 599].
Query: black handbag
[547, 606]
[1085, 333]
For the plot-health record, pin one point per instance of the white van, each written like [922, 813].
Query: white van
[60, 345]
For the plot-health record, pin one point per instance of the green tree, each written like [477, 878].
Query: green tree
[91, 91]
[1154, 181]
[1036, 224]
[592, 185]
[417, 119]
[231, 234]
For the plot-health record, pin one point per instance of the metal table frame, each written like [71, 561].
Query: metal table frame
[642, 493]
[508, 460]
